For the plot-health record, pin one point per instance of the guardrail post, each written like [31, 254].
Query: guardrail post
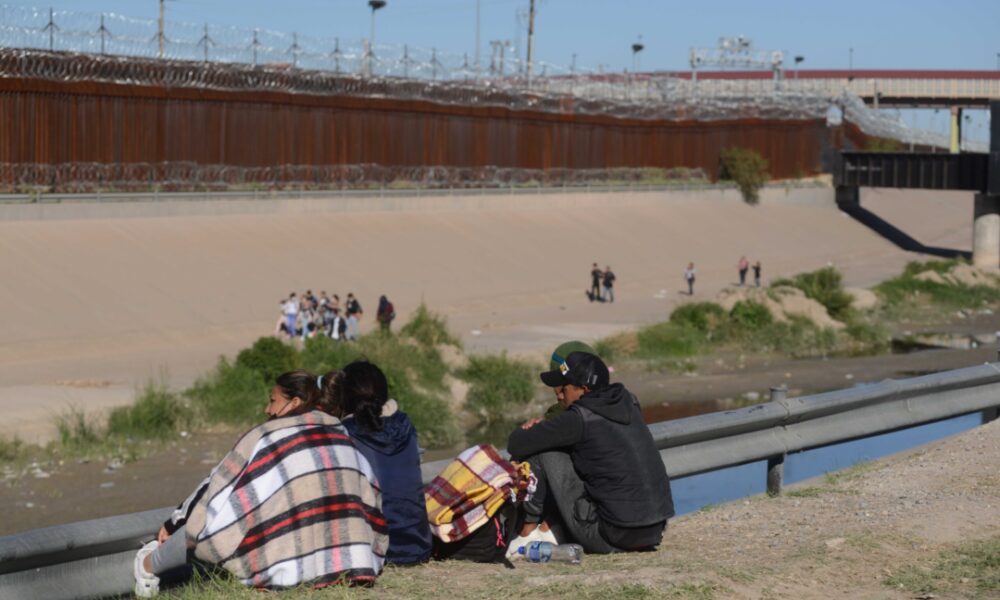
[776, 464]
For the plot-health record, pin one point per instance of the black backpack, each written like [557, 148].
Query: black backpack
[488, 544]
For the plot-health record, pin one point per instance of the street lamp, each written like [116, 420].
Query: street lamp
[798, 59]
[375, 5]
[636, 49]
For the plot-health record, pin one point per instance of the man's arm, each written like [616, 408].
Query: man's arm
[558, 432]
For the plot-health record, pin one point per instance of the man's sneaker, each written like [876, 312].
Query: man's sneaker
[547, 536]
[147, 585]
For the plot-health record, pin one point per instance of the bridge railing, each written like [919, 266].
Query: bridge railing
[93, 558]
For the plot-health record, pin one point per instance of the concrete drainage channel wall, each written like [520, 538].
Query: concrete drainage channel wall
[93, 559]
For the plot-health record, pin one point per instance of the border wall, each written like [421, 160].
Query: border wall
[139, 118]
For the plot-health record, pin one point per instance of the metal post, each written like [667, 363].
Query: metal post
[776, 464]
[531, 40]
[160, 34]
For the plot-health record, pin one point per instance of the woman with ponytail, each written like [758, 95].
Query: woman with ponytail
[294, 502]
[386, 437]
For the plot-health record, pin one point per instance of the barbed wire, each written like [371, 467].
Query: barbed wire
[88, 177]
[77, 46]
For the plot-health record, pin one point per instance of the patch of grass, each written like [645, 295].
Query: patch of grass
[77, 433]
[268, 357]
[971, 570]
[824, 286]
[618, 346]
[11, 449]
[850, 473]
[668, 340]
[231, 394]
[804, 492]
[750, 315]
[429, 329]
[907, 289]
[703, 316]
[498, 385]
[157, 413]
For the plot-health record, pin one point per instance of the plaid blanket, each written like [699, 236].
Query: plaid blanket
[471, 489]
[293, 502]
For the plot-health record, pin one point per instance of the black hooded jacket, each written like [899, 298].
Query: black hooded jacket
[613, 452]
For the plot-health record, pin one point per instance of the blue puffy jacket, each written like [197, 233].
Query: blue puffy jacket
[394, 456]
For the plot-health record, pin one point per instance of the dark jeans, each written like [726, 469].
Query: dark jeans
[561, 490]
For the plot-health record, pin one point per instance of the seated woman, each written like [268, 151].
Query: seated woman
[387, 438]
[293, 502]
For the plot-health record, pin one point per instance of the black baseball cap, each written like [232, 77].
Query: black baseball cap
[580, 369]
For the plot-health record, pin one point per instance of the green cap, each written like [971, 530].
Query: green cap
[565, 349]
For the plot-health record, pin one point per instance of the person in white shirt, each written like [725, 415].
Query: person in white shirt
[291, 311]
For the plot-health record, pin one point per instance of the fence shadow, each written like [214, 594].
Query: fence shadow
[896, 235]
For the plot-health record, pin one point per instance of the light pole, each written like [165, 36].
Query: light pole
[798, 59]
[637, 47]
[370, 55]
[850, 59]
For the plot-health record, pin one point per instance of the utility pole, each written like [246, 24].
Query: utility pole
[531, 39]
[103, 31]
[160, 34]
[51, 28]
[478, 67]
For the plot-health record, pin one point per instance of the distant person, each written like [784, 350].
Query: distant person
[756, 274]
[595, 283]
[291, 310]
[385, 314]
[335, 301]
[689, 278]
[599, 471]
[338, 326]
[386, 437]
[354, 314]
[743, 266]
[294, 502]
[609, 284]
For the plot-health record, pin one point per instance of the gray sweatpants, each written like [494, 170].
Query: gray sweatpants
[171, 554]
[559, 485]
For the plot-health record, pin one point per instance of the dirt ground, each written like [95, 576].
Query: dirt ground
[92, 306]
[838, 537]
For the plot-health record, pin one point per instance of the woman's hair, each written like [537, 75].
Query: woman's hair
[329, 384]
[363, 390]
[306, 387]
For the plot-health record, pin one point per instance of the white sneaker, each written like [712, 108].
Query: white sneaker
[147, 585]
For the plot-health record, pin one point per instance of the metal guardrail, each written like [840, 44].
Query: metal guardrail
[93, 558]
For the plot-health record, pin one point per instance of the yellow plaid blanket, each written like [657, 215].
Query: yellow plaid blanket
[471, 489]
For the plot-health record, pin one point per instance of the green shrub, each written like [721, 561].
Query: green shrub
[703, 316]
[77, 433]
[826, 287]
[907, 288]
[232, 394]
[750, 315]
[747, 169]
[268, 357]
[429, 329]
[499, 385]
[915, 267]
[321, 354]
[10, 449]
[156, 413]
[668, 340]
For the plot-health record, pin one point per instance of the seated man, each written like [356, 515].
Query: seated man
[598, 470]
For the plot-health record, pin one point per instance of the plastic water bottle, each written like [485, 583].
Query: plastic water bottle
[543, 552]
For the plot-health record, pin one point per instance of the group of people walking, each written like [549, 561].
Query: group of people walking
[329, 488]
[602, 284]
[310, 315]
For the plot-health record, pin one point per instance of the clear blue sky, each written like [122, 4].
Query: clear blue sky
[959, 34]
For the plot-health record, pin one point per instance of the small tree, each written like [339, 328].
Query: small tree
[747, 169]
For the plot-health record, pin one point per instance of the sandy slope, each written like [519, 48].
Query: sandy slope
[91, 295]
